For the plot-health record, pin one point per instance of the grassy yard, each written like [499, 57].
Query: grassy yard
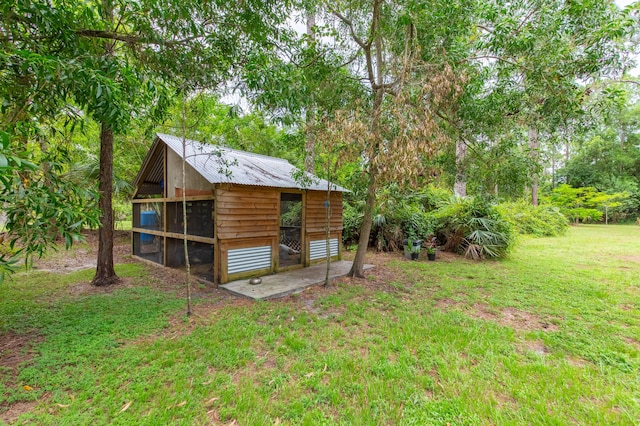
[549, 336]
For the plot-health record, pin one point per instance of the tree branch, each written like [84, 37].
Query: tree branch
[524, 21]
[349, 24]
[497, 58]
[133, 39]
[626, 81]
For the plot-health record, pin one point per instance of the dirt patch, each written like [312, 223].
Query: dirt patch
[627, 307]
[15, 350]
[535, 346]
[501, 400]
[16, 410]
[629, 258]
[309, 305]
[577, 362]
[446, 304]
[485, 312]
[633, 342]
[508, 317]
[447, 257]
[83, 255]
[512, 317]
[521, 320]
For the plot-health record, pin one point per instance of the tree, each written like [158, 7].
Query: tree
[582, 204]
[115, 61]
[608, 201]
[39, 203]
[555, 52]
[406, 83]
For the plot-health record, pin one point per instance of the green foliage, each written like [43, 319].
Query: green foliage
[40, 204]
[608, 159]
[398, 216]
[584, 204]
[351, 221]
[475, 228]
[542, 221]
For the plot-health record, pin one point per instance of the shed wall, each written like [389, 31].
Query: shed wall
[196, 184]
[316, 218]
[247, 213]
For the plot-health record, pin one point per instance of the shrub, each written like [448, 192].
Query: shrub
[351, 221]
[397, 216]
[475, 228]
[541, 221]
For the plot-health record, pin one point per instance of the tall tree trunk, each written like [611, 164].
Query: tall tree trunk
[327, 229]
[357, 268]
[375, 82]
[310, 143]
[460, 185]
[534, 146]
[185, 242]
[105, 272]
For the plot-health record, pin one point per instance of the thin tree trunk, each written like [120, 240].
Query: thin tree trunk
[460, 185]
[534, 147]
[105, 272]
[328, 229]
[184, 207]
[553, 169]
[310, 143]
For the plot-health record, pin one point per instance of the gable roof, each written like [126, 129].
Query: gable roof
[225, 165]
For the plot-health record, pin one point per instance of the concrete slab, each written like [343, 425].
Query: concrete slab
[289, 282]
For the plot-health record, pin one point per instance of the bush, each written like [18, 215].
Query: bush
[543, 221]
[397, 216]
[475, 228]
[351, 221]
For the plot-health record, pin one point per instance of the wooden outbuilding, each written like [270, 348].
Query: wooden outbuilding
[247, 214]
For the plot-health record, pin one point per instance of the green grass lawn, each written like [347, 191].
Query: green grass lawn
[549, 336]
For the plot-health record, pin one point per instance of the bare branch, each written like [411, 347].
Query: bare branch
[352, 31]
[497, 58]
[626, 81]
[524, 21]
[482, 27]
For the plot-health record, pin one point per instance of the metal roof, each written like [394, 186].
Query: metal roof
[225, 165]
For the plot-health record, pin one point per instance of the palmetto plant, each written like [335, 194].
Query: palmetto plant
[474, 227]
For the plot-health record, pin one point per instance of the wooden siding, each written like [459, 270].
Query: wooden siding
[247, 213]
[316, 215]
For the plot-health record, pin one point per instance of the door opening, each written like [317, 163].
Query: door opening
[290, 250]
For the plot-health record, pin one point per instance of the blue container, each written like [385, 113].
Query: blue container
[148, 220]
